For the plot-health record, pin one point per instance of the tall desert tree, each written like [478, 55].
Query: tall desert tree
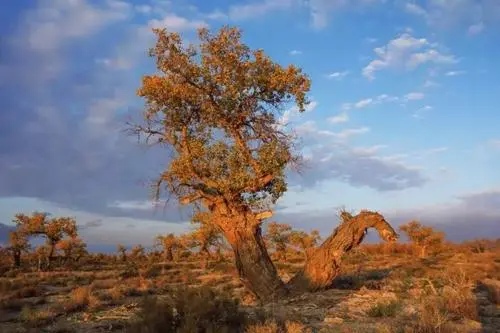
[53, 229]
[217, 107]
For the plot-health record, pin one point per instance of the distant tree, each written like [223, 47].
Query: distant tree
[170, 243]
[72, 248]
[207, 235]
[424, 238]
[122, 250]
[304, 241]
[138, 252]
[53, 229]
[18, 243]
[217, 106]
[279, 236]
[41, 255]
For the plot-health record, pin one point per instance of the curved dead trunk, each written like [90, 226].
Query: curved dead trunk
[255, 268]
[323, 263]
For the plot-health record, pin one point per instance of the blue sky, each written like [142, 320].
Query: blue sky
[404, 114]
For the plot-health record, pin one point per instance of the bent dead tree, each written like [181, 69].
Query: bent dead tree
[217, 106]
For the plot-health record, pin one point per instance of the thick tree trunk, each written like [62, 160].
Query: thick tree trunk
[323, 263]
[254, 265]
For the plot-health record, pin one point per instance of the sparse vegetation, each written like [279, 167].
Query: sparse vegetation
[216, 105]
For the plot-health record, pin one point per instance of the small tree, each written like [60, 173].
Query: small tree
[424, 238]
[138, 252]
[54, 230]
[122, 250]
[73, 249]
[304, 241]
[279, 236]
[170, 243]
[206, 236]
[18, 243]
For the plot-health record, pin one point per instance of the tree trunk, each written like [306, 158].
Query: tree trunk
[17, 258]
[50, 257]
[323, 263]
[169, 255]
[254, 265]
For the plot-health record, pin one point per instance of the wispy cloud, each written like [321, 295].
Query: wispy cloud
[257, 9]
[415, 9]
[340, 118]
[476, 29]
[430, 83]
[422, 112]
[455, 73]
[337, 75]
[414, 96]
[295, 52]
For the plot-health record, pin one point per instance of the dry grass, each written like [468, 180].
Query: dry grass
[440, 293]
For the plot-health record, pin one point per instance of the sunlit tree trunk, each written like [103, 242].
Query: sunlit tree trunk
[323, 263]
[255, 268]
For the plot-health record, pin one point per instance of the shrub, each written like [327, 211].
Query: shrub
[190, 310]
[384, 309]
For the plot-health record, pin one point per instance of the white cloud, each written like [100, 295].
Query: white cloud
[140, 205]
[363, 103]
[495, 143]
[476, 28]
[430, 84]
[144, 9]
[455, 73]
[415, 9]
[462, 14]
[54, 23]
[295, 52]
[216, 15]
[257, 9]
[406, 52]
[414, 96]
[321, 9]
[293, 112]
[348, 133]
[338, 75]
[340, 118]
[176, 23]
[368, 150]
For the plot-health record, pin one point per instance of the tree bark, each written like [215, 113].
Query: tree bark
[323, 263]
[17, 258]
[254, 265]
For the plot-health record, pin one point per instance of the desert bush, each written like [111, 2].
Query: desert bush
[384, 309]
[190, 310]
[35, 318]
